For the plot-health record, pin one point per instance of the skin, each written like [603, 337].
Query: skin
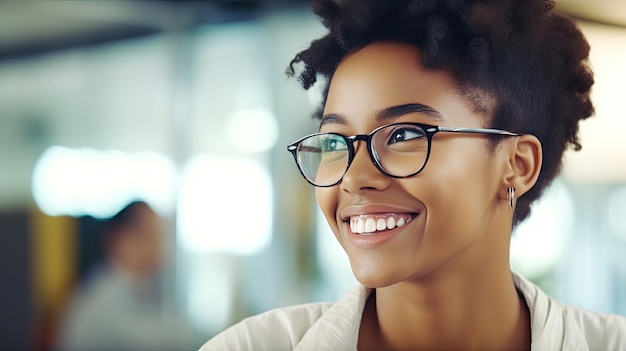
[443, 281]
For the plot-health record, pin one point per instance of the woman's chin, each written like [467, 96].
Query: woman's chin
[373, 278]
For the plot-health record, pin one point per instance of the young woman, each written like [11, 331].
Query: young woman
[442, 122]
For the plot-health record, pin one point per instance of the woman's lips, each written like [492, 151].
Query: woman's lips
[371, 225]
[362, 231]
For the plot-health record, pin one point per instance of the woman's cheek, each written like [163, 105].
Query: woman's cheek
[328, 202]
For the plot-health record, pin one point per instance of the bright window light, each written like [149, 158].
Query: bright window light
[252, 130]
[333, 261]
[539, 241]
[616, 211]
[225, 205]
[98, 183]
[212, 291]
[602, 136]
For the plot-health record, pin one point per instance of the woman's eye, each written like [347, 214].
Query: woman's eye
[333, 144]
[404, 135]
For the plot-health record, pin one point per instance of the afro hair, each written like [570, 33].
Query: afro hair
[528, 59]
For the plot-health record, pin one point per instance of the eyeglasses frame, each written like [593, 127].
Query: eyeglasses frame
[430, 130]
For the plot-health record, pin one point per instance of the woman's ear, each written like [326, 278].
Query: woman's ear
[524, 164]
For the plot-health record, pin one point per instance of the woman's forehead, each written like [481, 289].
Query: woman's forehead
[382, 76]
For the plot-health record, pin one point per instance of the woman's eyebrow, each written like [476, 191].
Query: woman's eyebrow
[332, 118]
[389, 113]
[400, 110]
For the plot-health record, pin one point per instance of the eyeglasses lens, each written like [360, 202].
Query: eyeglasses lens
[323, 158]
[400, 150]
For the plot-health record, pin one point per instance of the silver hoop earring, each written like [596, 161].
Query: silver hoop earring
[511, 198]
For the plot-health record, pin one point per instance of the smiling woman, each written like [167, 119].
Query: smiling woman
[442, 122]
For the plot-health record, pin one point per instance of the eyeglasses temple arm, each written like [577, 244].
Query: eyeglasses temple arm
[478, 131]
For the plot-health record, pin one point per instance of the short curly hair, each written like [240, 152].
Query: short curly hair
[530, 60]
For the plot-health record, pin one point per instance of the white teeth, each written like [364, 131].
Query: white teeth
[370, 225]
[360, 226]
[381, 224]
[400, 222]
[391, 223]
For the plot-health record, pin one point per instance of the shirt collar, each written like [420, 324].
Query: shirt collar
[338, 327]
[550, 328]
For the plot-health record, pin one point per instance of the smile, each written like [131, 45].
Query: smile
[372, 224]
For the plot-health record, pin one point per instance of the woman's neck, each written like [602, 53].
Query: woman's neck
[448, 311]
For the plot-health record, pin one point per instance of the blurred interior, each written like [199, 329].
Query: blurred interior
[186, 105]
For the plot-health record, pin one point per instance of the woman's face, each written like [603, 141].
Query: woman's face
[448, 208]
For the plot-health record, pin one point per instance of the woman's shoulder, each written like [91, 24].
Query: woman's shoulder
[559, 326]
[314, 326]
[601, 331]
[277, 329]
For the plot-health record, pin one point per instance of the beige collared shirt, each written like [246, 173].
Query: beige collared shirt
[335, 326]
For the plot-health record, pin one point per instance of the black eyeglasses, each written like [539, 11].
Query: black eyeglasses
[398, 150]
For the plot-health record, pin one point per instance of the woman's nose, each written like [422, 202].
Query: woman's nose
[362, 174]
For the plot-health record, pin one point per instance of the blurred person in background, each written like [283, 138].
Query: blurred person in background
[442, 122]
[119, 307]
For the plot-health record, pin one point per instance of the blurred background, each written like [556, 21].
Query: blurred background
[185, 105]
